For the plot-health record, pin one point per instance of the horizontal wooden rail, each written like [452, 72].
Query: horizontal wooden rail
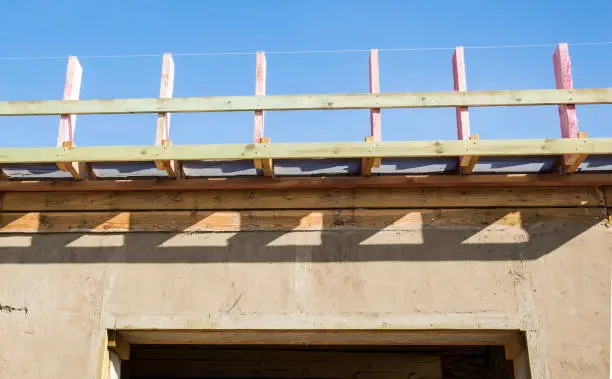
[310, 102]
[540, 147]
[313, 182]
[309, 150]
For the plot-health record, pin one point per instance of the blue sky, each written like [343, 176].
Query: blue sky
[112, 27]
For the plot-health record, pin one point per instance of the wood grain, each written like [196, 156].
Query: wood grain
[301, 199]
[291, 220]
[406, 149]
[310, 102]
[395, 181]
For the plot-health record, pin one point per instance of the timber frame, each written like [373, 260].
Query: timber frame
[570, 151]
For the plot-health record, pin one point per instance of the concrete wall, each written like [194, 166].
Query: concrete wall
[549, 278]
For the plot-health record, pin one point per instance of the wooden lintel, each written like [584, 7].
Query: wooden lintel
[311, 102]
[118, 344]
[467, 164]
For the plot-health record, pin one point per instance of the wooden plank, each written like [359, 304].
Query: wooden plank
[310, 102]
[607, 196]
[301, 199]
[391, 181]
[291, 220]
[118, 344]
[162, 134]
[260, 90]
[563, 80]
[407, 149]
[460, 85]
[467, 163]
[65, 135]
[375, 116]
[320, 337]
[573, 161]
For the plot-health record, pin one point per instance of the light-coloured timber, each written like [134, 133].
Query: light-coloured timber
[291, 220]
[310, 182]
[542, 147]
[302, 199]
[310, 102]
[118, 344]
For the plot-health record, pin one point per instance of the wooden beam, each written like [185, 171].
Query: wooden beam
[118, 344]
[260, 90]
[375, 116]
[320, 337]
[310, 102]
[467, 163]
[460, 85]
[573, 161]
[162, 134]
[65, 135]
[291, 220]
[567, 112]
[258, 132]
[407, 149]
[301, 199]
[310, 182]
[563, 80]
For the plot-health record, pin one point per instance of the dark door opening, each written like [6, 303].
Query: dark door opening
[316, 362]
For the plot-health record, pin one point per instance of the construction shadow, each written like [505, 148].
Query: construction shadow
[398, 235]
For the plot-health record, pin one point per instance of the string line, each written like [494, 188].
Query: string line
[287, 52]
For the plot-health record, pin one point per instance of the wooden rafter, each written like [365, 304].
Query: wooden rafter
[310, 102]
[536, 147]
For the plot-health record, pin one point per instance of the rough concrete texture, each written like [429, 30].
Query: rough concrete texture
[553, 281]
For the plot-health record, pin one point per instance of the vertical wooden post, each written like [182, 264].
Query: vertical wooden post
[375, 116]
[466, 164]
[258, 132]
[567, 113]
[162, 134]
[65, 135]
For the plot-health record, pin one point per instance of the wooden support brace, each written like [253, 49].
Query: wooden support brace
[162, 135]
[567, 113]
[573, 161]
[466, 164]
[65, 136]
[258, 132]
[119, 345]
[375, 116]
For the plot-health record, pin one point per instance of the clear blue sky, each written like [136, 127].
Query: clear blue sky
[111, 27]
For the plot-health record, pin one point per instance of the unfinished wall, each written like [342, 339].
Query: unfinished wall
[538, 268]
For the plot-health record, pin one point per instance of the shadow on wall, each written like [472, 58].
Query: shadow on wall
[290, 236]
